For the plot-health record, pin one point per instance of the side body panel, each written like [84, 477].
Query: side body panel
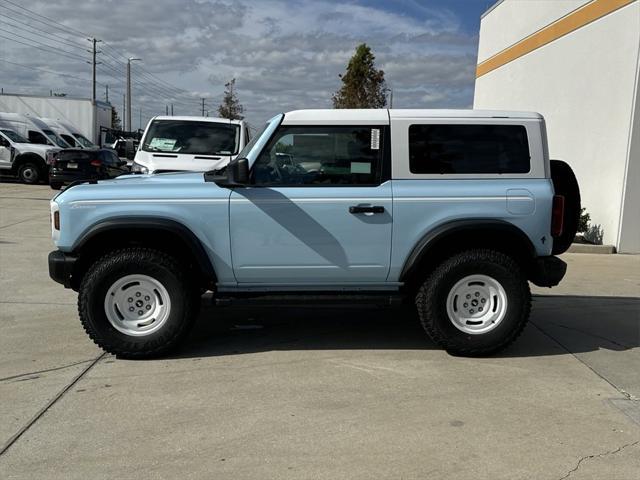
[307, 236]
[420, 206]
[201, 207]
[425, 202]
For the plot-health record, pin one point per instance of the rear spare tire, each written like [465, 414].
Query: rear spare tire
[566, 184]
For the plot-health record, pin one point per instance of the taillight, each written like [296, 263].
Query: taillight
[51, 158]
[96, 163]
[557, 216]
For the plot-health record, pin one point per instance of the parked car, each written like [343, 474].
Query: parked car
[71, 165]
[20, 157]
[69, 133]
[172, 144]
[454, 210]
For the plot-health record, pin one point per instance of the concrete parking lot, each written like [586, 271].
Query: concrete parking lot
[323, 392]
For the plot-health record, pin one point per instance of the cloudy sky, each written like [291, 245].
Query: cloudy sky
[285, 54]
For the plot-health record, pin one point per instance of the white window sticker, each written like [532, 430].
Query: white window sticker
[360, 167]
[375, 139]
[163, 143]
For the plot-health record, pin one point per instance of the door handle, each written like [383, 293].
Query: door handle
[366, 209]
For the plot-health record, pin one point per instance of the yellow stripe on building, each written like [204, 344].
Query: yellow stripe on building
[573, 21]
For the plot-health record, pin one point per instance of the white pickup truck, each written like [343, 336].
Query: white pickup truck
[20, 157]
[173, 144]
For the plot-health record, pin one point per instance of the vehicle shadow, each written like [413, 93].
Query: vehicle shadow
[558, 324]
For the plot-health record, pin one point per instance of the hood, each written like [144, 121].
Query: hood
[36, 147]
[159, 161]
[144, 187]
[158, 178]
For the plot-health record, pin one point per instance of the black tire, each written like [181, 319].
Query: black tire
[431, 302]
[165, 269]
[29, 173]
[55, 185]
[566, 184]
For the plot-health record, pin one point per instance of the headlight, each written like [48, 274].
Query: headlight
[137, 168]
[55, 221]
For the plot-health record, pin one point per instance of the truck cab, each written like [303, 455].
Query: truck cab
[173, 144]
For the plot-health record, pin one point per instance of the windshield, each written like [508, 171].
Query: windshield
[14, 137]
[260, 139]
[56, 139]
[192, 137]
[70, 140]
[84, 141]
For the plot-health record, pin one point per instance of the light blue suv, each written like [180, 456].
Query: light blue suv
[455, 210]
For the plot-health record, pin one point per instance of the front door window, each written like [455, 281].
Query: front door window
[321, 156]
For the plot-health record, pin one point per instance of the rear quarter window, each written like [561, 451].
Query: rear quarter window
[475, 149]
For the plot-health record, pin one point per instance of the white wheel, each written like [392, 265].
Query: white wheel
[137, 305]
[476, 304]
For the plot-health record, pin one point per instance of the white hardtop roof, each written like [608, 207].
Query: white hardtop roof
[382, 115]
[197, 119]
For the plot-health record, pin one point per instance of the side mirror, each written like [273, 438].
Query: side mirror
[3, 142]
[238, 172]
[130, 150]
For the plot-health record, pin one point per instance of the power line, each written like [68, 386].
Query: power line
[61, 26]
[47, 71]
[150, 82]
[45, 47]
[40, 32]
[42, 44]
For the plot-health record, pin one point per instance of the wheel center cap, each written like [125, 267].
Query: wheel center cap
[474, 302]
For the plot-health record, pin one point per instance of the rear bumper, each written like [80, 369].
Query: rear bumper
[547, 271]
[68, 177]
[61, 267]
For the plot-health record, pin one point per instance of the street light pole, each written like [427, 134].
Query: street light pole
[129, 60]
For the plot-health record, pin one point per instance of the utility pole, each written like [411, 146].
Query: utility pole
[129, 60]
[93, 51]
[166, 110]
[106, 93]
[124, 106]
[203, 107]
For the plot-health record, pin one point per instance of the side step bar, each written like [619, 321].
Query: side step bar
[312, 299]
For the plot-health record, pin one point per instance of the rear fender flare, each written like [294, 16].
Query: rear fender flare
[439, 234]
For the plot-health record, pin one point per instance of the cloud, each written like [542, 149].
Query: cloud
[284, 54]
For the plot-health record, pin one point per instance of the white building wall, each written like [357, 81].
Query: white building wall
[515, 20]
[584, 85]
[629, 236]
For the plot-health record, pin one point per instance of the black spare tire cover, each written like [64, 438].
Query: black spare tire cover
[566, 184]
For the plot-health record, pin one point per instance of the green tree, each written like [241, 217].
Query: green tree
[363, 85]
[115, 119]
[230, 107]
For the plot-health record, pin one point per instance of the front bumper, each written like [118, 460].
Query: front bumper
[61, 267]
[547, 271]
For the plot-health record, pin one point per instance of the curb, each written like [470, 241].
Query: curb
[587, 248]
